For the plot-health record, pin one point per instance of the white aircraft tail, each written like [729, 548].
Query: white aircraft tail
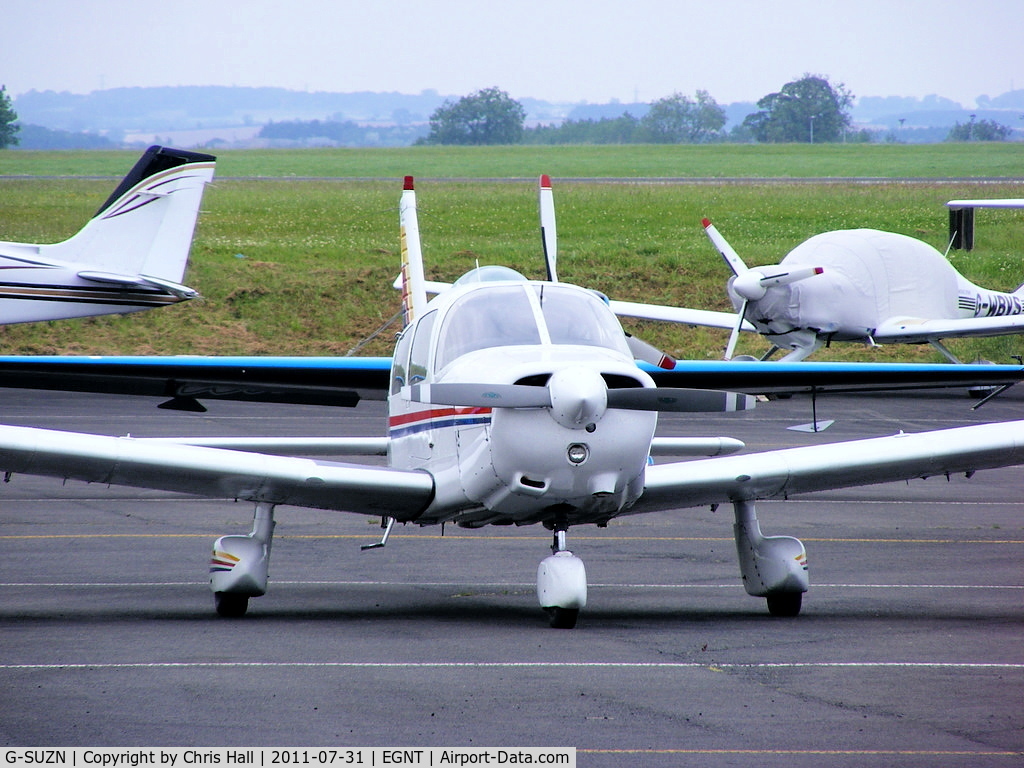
[142, 233]
[414, 292]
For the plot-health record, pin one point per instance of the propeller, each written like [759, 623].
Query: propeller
[640, 350]
[751, 284]
[548, 232]
[580, 401]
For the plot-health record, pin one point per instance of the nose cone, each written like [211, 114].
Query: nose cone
[748, 285]
[579, 397]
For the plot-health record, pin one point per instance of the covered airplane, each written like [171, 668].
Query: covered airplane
[130, 256]
[864, 285]
[510, 402]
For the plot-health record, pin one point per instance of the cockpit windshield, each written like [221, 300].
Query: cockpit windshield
[577, 317]
[507, 315]
[497, 317]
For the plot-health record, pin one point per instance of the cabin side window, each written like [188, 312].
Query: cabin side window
[400, 362]
[420, 355]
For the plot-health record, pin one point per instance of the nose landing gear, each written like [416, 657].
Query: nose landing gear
[562, 583]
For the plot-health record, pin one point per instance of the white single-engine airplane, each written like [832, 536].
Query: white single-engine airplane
[863, 285]
[129, 257]
[511, 402]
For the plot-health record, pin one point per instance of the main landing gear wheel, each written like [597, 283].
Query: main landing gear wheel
[563, 618]
[230, 605]
[785, 604]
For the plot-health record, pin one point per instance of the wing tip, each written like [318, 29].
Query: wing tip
[705, 222]
[408, 184]
[545, 181]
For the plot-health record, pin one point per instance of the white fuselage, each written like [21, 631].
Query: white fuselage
[575, 461]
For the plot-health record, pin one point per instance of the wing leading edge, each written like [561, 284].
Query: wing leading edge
[346, 380]
[214, 472]
[778, 474]
[404, 494]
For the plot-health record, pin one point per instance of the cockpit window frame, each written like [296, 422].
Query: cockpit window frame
[488, 318]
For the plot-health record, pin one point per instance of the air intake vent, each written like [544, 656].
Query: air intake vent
[618, 381]
[536, 380]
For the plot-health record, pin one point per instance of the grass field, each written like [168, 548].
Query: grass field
[289, 264]
[999, 159]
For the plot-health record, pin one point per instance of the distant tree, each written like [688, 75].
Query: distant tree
[982, 130]
[8, 127]
[37, 137]
[678, 119]
[805, 110]
[489, 116]
[607, 130]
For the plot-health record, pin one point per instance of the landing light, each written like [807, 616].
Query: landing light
[578, 453]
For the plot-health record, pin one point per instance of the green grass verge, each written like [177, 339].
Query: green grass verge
[997, 159]
[305, 267]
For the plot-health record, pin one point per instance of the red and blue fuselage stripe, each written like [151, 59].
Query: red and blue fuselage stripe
[437, 418]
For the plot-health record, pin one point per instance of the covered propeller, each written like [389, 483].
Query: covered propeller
[751, 284]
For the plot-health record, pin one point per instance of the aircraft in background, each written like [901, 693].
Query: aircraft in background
[129, 257]
[863, 285]
[511, 402]
[860, 285]
[961, 218]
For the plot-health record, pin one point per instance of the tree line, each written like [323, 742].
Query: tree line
[806, 110]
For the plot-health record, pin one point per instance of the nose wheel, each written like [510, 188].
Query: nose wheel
[562, 584]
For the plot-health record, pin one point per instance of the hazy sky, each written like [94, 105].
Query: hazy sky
[559, 50]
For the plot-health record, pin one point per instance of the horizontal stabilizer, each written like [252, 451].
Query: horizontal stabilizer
[139, 281]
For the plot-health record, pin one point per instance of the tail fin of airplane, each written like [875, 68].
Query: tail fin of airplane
[143, 232]
[414, 292]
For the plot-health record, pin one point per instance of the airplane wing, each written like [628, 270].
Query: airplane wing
[912, 330]
[779, 474]
[699, 317]
[343, 381]
[338, 381]
[214, 472]
[765, 378]
[403, 494]
[992, 203]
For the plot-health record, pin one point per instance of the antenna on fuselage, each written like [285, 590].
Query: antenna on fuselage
[414, 292]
